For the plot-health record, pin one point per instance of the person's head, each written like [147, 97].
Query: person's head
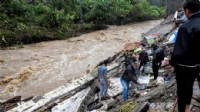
[190, 7]
[105, 62]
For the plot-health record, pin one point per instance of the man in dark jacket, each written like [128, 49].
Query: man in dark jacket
[128, 75]
[158, 57]
[186, 54]
[143, 58]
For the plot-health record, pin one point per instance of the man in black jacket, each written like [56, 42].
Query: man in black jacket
[143, 58]
[158, 57]
[128, 75]
[186, 54]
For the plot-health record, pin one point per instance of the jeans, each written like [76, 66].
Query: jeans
[125, 85]
[185, 79]
[103, 88]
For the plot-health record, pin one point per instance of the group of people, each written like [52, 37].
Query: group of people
[129, 73]
[185, 59]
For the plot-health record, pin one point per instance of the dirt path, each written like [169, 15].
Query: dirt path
[39, 68]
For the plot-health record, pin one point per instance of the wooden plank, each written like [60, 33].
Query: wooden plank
[73, 103]
[143, 107]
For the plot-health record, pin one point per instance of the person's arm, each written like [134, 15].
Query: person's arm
[98, 77]
[140, 56]
[154, 55]
[180, 47]
[106, 76]
[135, 81]
[132, 75]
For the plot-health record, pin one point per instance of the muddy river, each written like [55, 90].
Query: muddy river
[39, 68]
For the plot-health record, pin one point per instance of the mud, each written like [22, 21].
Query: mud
[57, 62]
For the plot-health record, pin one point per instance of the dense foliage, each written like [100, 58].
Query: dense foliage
[27, 21]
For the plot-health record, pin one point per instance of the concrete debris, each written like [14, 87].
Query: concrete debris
[179, 16]
[115, 87]
[152, 36]
[161, 107]
[73, 103]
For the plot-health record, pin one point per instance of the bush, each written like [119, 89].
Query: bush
[28, 21]
[143, 10]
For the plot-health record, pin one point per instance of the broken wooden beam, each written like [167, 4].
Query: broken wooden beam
[9, 104]
[73, 103]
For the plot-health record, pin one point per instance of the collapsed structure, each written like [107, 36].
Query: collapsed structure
[80, 95]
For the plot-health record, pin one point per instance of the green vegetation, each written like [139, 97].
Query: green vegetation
[28, 21]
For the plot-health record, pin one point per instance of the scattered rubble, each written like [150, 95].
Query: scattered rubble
[73, 103]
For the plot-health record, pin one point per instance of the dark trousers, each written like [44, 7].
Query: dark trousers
[185, 79]
[155, 69]
[142, 63]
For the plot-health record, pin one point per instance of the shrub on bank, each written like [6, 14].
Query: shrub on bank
[34, 21]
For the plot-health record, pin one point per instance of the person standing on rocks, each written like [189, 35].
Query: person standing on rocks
[186, 56]
[158, 57]
[103, 80]
[128, 75]
[143, 58]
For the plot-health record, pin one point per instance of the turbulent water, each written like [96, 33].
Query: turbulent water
[39, 68]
